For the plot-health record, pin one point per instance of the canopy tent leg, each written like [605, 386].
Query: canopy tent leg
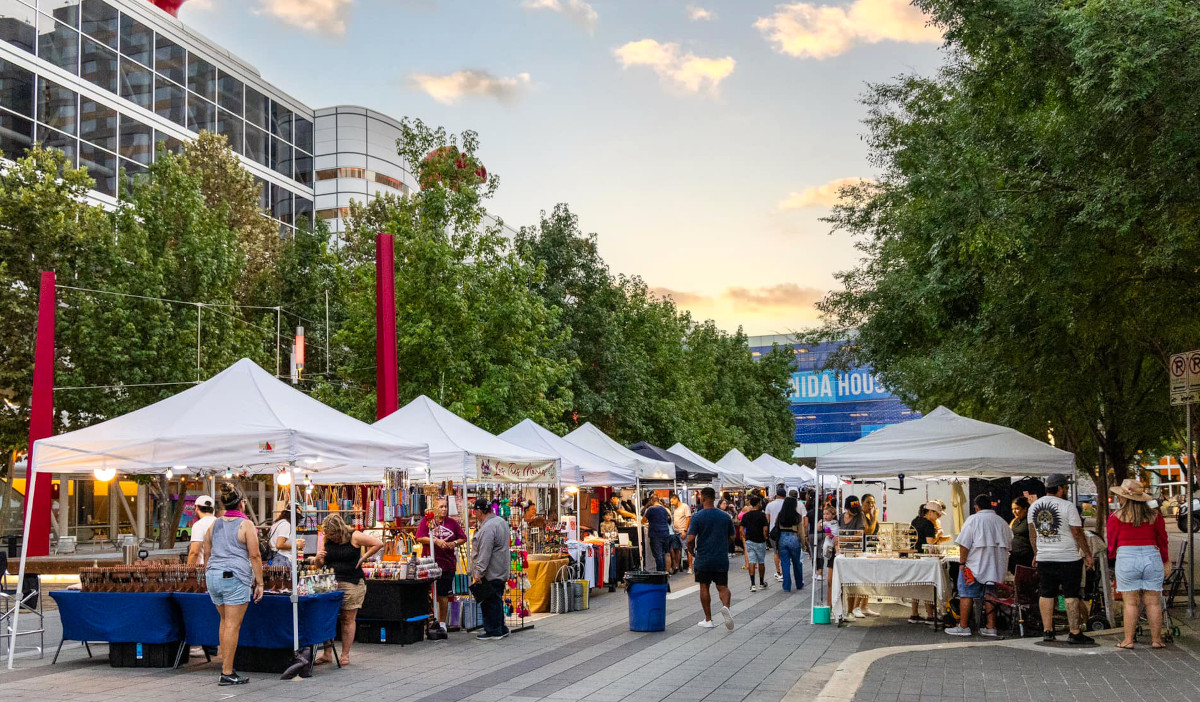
[295, 566]
[813, 545]
[637, 495]
[32, 483]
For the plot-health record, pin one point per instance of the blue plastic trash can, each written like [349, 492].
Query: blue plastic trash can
[647, 591]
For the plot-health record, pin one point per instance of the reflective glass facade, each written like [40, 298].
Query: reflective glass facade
[110, 81]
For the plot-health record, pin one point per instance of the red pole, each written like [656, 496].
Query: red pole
[41, 417]
[387, 371]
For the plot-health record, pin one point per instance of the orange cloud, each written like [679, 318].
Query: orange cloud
[806, 30]
[767, 309]
[452, 87]
[826, 195]
[685, 71]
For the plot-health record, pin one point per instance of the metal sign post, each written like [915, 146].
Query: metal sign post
[1184, 372]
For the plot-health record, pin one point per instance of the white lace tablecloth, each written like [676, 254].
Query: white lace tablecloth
[911, 578]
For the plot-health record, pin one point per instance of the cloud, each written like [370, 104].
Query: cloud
[683, 298]
[784, 303]
[688, 71]
[826, 195]
[449, 89]
[699, 14]
[577, 11]
[807, 30]
[320, 16]
[774, 297]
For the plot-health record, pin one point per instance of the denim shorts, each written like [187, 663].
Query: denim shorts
[756, 551]
[1139, 568]
[226, 591]
[676, 542]
[971, 591]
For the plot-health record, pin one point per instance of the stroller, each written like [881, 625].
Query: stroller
[1097, 593]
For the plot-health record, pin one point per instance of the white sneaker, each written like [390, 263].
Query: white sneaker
[870, 612]
[858, 613]
[779, 577]
[728, 618]
[958, 631]
[753, 588]
[762, 587]
[706, 624]
[990, 633]
[818, 576]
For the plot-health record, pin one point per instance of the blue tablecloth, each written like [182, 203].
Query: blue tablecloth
[119, 617]
[268, 623]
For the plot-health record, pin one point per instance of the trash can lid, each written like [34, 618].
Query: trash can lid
[648, 577]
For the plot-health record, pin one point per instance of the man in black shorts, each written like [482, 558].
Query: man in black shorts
[1060, 552]
[709, 536]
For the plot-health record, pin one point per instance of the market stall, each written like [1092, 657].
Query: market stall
[727, 478]
[940, 445]
[735, 461]
[243, 418]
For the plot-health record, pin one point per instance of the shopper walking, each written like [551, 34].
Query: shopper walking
[709, 536]
[755, 526]
[447, 535]
[790, 525]
[984, 543]
[233, 573]
[658, 529]
[203, 511]
[1137, 539]
[681, 514]
[772, 512]
[1056, 532]
[343, 553]
[490, 564]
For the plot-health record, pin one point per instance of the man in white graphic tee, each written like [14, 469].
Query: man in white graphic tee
[1059, 552]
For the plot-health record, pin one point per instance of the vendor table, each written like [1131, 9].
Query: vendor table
[117, 617]
[396, 600]
[542, 572]
[268, 622]
[910, 578]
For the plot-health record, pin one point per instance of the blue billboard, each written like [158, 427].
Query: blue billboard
[837, 406]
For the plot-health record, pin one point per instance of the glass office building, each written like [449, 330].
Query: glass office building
[109, 82]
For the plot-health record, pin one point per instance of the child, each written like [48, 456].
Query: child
[608, 526]
[827, 534]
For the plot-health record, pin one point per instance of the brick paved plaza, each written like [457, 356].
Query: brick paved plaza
[773, 654]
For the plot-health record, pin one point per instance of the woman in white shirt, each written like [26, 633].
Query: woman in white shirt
[280, 539]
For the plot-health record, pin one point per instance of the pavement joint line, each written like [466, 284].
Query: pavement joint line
[848, 676]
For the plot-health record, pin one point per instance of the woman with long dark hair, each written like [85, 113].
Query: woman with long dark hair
[791, 525]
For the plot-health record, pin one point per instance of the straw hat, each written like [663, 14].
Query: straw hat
[1131, 489]
[935, 506]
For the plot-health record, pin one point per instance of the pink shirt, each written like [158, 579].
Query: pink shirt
[1151, 534]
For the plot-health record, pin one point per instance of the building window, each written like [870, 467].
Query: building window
[100, 22]
[54, 139]
[170, 60]
[391, 182]
[17, 24]
[98, 124]
[65, 11]
[59, 44]
[202, 78]
[257, 147]
[281, 157]
[258, 108]
[281, 204]
[101, 166]
[137, 83]
[229, 93]
[167, 143]
[331, 173]
[57, 106]
[16, 88]
[333, 213]
[137, 40]
[98, 65]
[304, 166]
[304, 212]
[16, 134]
[169, 101]
[304, 134]
[230, 125]
[137, 141]
[264, 195]
[281, 121]
[202, 114]
[133, 174]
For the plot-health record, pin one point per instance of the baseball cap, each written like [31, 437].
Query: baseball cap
[482, 505]
[935, 507]
[204, 501]
[1056, 480]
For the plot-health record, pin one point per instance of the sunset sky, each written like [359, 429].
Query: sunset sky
[702, 141]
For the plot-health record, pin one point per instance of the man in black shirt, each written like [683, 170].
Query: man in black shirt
[755, 526]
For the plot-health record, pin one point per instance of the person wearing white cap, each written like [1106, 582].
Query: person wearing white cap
[203, 511]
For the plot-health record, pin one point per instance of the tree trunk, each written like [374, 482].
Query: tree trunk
[162, 489]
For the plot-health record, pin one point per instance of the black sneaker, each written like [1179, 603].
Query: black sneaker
[485, 636]
[1047, 636]
[1080, 638]
[232, 679]
[917, 620]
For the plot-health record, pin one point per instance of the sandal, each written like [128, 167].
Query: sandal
[1126, 646]
[1158, 645]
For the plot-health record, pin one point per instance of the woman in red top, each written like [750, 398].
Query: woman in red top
[1137, 539]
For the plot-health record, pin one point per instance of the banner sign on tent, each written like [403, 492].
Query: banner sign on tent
[488, 470]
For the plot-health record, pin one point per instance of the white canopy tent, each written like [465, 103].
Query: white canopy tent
[455, 445]
[754, 475]
[580, 467]
[241, 418]
[792, 475]
[943, 443]
[592, 439]
[728, 478]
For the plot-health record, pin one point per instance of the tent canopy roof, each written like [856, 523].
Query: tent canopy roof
[944, 443]
[242, 417]
[728, 478]
[737, 462]
[580, 467]
[587, 436]
[791, 473]
[685, 468]
[454, 443]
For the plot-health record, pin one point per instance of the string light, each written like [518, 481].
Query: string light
[228, 473]
[283, 478]
[104, 474]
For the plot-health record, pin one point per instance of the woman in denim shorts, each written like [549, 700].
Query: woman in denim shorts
[1137, 539]
[233, 573]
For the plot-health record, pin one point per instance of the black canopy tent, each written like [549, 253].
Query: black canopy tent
[686, 470]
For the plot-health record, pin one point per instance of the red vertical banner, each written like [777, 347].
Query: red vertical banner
[41, 418]
[387, 371]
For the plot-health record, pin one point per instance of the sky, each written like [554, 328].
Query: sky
[702, 141]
